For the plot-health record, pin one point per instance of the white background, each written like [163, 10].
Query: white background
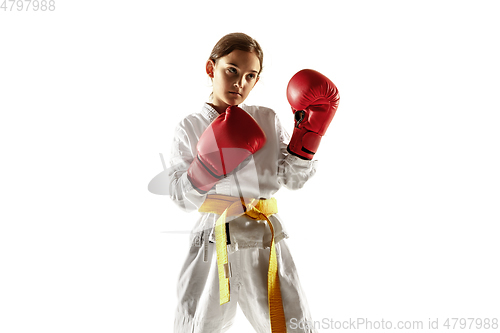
[399, 223]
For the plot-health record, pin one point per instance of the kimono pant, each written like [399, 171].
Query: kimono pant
[199, 309]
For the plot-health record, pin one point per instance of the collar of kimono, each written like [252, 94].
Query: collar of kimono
[258, 210]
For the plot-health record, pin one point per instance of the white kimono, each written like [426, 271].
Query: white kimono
[260, 176]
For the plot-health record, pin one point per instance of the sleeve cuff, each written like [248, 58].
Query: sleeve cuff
[191, 194]
[300, 162]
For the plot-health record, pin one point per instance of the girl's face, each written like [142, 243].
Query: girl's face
[233, 77]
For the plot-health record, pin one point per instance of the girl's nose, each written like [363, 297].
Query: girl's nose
[239, 83]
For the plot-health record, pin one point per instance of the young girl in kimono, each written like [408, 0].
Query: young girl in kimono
[227, 162]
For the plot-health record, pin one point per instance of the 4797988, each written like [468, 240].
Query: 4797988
[28, 5]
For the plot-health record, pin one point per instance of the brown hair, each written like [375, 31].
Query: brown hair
[236, 41]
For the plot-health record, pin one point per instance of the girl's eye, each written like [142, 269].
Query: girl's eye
[232, 70]
[251, 76]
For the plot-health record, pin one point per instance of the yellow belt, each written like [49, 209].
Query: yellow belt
[258, 210]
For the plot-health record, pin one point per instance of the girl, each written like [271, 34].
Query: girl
[227, 162]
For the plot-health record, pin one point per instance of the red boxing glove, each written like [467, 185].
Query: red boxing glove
[314, 100]
[228, 140]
